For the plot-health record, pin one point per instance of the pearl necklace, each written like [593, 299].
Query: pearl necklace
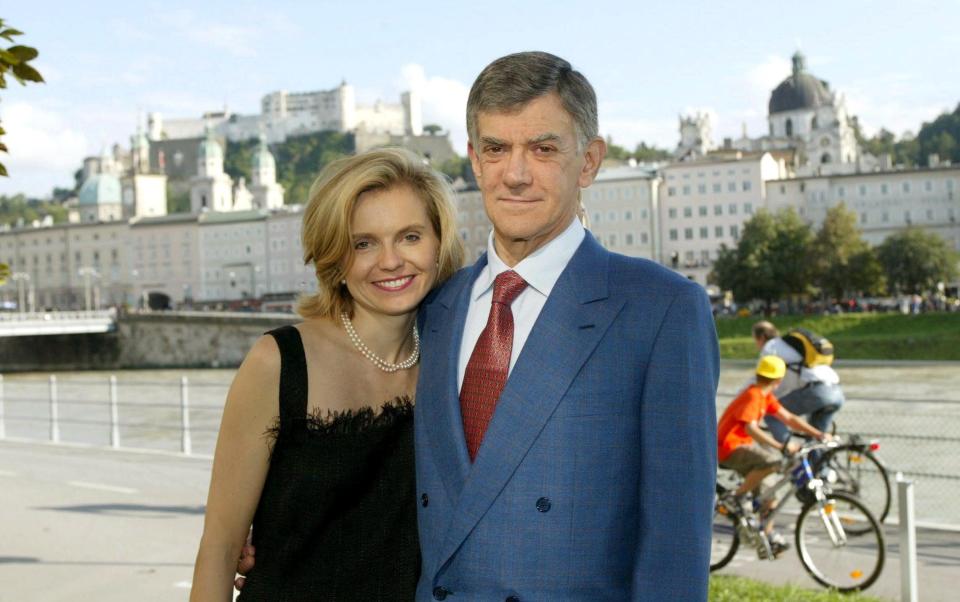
[370, 355]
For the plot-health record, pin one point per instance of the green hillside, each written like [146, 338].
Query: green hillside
[887, 336]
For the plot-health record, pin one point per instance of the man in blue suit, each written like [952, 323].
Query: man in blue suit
[565, 421]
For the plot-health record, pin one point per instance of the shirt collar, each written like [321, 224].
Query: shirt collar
[541, 269]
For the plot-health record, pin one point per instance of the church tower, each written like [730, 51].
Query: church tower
[267, 193]
[211, 189]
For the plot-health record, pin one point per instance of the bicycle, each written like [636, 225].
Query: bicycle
[853, 467]
[839, 541]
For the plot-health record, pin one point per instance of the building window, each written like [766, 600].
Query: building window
[748, 208]
[803, 186]
[789, 127]
[884, 189]
[747, 185]
[885, 217]
[672, 212]
[717, 187]
[671, 191]
[863, 217]
[703, 210]
[863, 190]
[906, 187]
[686, 190]
[612, 216]
[688, 233]
[718, 209]
[596, 218]
[612, 240]
[929, 215]
[673, 234]
[688, 212]
[906, 217]
[628, 215]
[629, 239]
[704, 232]
[732, 208]
[841, 192]
[718, 231]
[705, 257]
[928, 186]
[731, 186]
[735, 231]
[644, 238]
[702, 188]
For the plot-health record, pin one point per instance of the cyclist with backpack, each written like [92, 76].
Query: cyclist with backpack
[810, 387]
[750, 451]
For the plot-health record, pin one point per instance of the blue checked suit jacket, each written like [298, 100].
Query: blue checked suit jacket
[595, 480]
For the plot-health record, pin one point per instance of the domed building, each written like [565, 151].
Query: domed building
[806, 114]
[100, 198]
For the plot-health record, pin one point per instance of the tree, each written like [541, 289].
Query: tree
[432, 129]
[915, 260]
[769, 261]
[840, 260]
[16, 60]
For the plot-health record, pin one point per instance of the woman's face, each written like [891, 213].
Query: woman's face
[394, 262]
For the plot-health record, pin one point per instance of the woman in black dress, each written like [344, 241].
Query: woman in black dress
[316, 444]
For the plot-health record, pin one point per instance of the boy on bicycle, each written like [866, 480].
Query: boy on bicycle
[747, 449]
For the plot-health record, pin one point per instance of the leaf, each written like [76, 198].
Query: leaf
[3, 170]
[24, 53]
[8, 57]
[10, 32]
[26, 72]
[3, 148]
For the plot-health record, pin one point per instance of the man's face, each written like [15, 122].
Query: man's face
[530, 172]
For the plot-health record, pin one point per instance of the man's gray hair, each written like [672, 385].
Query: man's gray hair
[510, 82]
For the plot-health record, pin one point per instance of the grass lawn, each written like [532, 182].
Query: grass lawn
[725, 588]
[882, 336]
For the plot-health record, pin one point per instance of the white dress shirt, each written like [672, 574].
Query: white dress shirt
[540, 270]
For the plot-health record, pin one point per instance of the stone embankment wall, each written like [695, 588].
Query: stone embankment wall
[145, 340]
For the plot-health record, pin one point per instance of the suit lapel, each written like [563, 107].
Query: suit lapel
[438, 375]
[576, 315]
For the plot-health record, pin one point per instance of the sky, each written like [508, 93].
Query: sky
[106, 63]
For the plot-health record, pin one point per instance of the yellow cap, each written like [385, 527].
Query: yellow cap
[771, 366]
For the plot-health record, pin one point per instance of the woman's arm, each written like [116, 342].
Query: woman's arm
[240, 466]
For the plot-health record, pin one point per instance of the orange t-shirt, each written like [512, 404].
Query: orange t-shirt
[750, 405]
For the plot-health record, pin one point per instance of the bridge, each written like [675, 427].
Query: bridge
[27, 324]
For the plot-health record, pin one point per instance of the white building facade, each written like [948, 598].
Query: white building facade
[703, 204]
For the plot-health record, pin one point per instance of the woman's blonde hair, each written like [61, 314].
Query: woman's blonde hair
[326, 235]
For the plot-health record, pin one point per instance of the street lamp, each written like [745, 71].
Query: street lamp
[88, 274]
[20, 278]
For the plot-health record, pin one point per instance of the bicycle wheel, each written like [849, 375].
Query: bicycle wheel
[725, 539]
[860, 474]
[840, 543]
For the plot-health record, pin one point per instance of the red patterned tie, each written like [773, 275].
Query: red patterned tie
[487, 369]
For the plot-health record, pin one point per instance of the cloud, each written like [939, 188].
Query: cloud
[234, 39]
[444, 101]
[45, 149]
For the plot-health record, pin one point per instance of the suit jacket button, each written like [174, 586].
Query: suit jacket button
[512, 599]
[543, 504]
[424, 500]
[440, 593]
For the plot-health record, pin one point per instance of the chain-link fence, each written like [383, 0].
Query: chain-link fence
[918, 437]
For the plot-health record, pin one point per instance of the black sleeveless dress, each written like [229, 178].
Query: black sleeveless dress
[337, 516]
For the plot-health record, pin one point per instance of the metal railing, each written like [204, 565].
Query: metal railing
[918, 437]
[114, 413]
